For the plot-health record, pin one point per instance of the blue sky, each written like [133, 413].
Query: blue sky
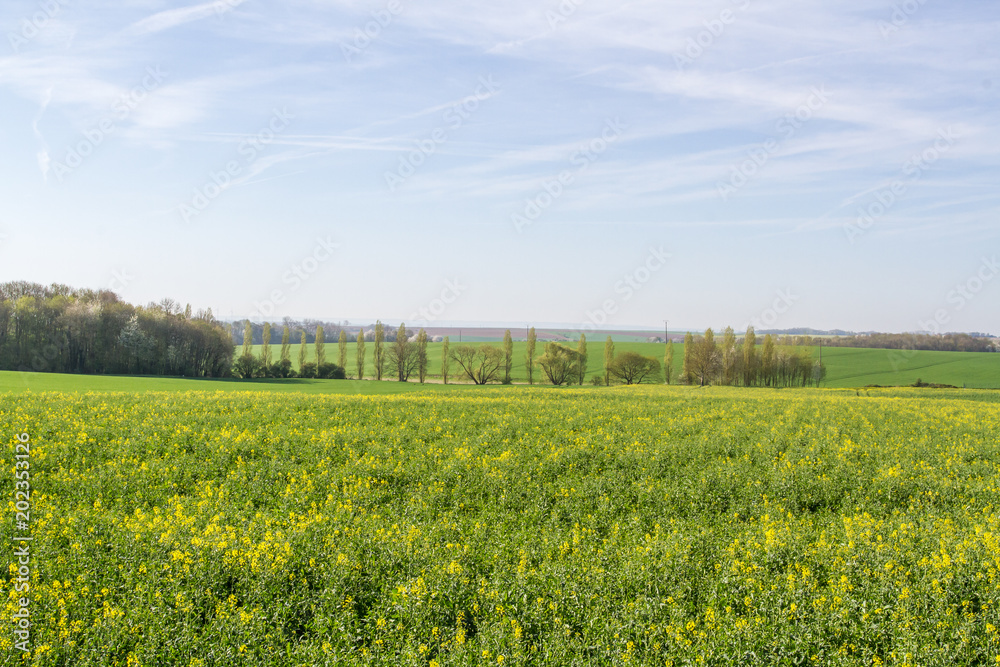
[586, 162]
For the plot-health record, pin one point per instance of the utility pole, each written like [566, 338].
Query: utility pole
[666, 333]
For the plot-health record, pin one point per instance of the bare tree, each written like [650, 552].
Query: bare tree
[481, 365]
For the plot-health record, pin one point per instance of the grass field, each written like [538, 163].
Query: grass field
[512, 526]
[846, 367]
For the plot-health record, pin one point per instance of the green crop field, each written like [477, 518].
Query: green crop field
[511, 526]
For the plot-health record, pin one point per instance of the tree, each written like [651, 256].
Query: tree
[609, 357]
[687, 372]
[767, 361]
[403, 355]
[308, 370]
[247, 340]
[328, 371]
[730, 358]
[320, 346]
[634, 368]
[481, 365]
[560, 364]
[360, 357]
[705, 358]
[286, 347]
[379, 349]
[422, 355]
[581, 350]
[750, 360]
[530, 357]
[247, 367]
[508, 356]
[342, 349]
[302, 350]
[265, 349]
[445, 359]
[668, 361]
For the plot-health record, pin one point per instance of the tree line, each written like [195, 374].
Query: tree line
[741, 362]
[59, 329]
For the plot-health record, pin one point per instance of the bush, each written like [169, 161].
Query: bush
[328, 371]
[248, 366]
[281, 369]
[308, 370]
[597, 381]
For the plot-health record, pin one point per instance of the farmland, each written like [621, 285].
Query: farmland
[517, 526]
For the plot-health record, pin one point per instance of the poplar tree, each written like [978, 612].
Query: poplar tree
[609, 358]
[750, 360]
[342, 345]
[729, 357]
[530, 358]
[422, 355]
[265, 349]
[767, 361]
[445, 362]
[379, 349]
[361, 354]
[286, 345]
[302, 349]
[687, 374]
[581, 349]
[320, 347]
[508, 356]
[668, 361]
[248, 339]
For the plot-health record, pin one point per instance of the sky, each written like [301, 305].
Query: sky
[593, 163]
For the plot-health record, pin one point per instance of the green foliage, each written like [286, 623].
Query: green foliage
[308, 370]
[560, 364]
[634, 368]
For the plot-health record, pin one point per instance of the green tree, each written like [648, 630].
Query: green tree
[303, 353]
[508, 356]
[403, 355]
[342, 349]
[247, 340]
[481, 365]
[730, 358]
[360, 357]
[609, 357]
[422, 355]
[560, 364]
[530, 357]
[705, 358]
[379, 349]
[750, 360]
[445, 359]
[286, 346]
[265, 349]
[634, 368]
[767, 362]
[320, 347]
[668, 361]
[687, 372]
[581, 349]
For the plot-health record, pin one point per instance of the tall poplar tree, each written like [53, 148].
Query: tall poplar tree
[767, 358]
[668, 361]
[342, 349]
[530, 356]
[581, 349]
[286, 345]
[302, 349]
[422, 355]
[750, 360]
[609, 358]
[248, 339]
[687, 374]
[320, 347]
[508, 356]
[379, 349]
[265, 349]
[445, 361]
[360, 358]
